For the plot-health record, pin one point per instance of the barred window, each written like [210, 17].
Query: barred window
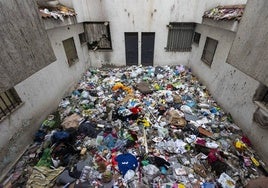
[180, 36]
[209, 51]
[9, 100]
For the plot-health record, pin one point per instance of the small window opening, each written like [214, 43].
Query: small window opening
[260, 98]
[9, 101]
[209, 51]
[196, 38]
[70, 51]
[82, 38]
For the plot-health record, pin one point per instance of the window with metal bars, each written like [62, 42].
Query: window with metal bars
[180, 36]
[9, 101]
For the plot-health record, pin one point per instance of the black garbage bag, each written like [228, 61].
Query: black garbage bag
[89, 129]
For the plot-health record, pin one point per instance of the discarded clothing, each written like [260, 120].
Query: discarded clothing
[43, 177]
[71, 121]
[126, 162]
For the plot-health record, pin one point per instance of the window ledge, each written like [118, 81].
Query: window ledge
[73, 62]
[84, 44]
[101, 50]
[207, 63]
[178, 51]
[10, 113]
[230, 25]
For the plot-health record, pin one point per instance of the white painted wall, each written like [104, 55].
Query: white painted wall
[41, 93]
[143, 16]
[231, 88]
[249, 50]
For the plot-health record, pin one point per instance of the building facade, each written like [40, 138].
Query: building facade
[40, 93]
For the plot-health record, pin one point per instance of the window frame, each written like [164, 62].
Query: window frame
[94, 45]
[205, 51]
[82, 38]
[260, 98]
[70, 60]
[178, 40]
[196, 38]
[9, 102]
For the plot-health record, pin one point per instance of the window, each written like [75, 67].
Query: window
[197, 37]
[261, 100]
[82, 38]
[180, 37]
[70, 51]
[98, 35]
[209, 51]
[9, 100]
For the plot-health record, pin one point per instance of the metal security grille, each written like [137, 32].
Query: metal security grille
[9, 100]
[180, 36]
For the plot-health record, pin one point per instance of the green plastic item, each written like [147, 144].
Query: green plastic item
[145, 162]
[45, 159]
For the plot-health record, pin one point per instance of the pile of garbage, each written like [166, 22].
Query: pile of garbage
[228, 12]
[138, 127]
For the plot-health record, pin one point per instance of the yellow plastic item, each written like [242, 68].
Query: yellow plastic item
[255, 162]
[86, 112]
[144, 121]
[119, 85]
[156, 86]
[240, 145]
[180, 185]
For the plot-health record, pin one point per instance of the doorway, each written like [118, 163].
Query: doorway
[131, 46]
[147, 48]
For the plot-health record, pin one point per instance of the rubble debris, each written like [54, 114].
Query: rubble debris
[229, 12]
[58, 12]
[138, 127]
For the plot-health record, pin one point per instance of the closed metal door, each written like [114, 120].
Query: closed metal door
[147, 49]
[131, 46]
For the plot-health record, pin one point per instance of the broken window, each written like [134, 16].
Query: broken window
[98, 35]
[82, 38]
[209, 51]
[196, 37]
[70, 50]
[261, 100]
[180, 37]
[9, 100]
